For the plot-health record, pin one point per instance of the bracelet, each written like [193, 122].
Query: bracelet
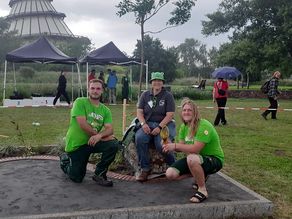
[159, 127]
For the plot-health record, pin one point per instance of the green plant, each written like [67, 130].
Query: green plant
[11, 150]
[59, 148]
[193, 93]
[26, 72]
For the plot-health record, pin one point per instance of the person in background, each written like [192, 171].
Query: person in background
[101, 76]
[111, 85]
[91, 75]
[273, 96]
[200, 141]
[125, 87]
[61, 89]
[155, 110]
[90, 131]
[220, 97]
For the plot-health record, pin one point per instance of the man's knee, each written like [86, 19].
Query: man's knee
[76, 179]
[171, 173]
[72, 169]
[75, 176]
[193, 159]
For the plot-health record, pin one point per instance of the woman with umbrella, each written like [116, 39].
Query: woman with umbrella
[220, 90]
[220, 96]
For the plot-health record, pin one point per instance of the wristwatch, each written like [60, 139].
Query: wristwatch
[142, 123]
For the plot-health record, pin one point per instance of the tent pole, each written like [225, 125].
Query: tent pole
[146, 74]
[14, 77]
[72, 81]
[4, 82]
[86, 79]
[131, 83]
[79, 81]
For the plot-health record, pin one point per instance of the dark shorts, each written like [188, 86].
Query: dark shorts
[210, 165]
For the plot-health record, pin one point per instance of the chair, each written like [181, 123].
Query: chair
[201, 86]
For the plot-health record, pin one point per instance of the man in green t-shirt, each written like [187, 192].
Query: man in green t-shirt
[90, 131]
[199, 140]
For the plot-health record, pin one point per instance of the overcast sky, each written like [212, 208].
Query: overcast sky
[97, 20]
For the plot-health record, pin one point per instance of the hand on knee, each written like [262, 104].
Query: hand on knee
[171, 173]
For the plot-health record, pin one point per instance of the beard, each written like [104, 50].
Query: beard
[95, 97]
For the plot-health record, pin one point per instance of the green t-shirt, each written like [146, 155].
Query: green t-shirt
[207, 134]
[96, 117]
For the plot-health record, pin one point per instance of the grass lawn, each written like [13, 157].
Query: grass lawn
[258, 152]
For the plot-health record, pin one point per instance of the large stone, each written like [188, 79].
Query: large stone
[158, 163]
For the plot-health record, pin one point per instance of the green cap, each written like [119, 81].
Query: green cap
[157, 76]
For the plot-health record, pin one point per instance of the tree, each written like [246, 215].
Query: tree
[8, 41]
[76, 47]
[159, 58]
[189, 54]
[144, 10]
[193, 56]
[261, 25]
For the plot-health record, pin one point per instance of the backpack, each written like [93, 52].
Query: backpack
[220, 91]
[265, 87]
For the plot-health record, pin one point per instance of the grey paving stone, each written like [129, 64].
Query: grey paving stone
[39, 189]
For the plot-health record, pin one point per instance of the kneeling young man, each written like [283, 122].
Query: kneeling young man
[199, 140]
[90, 131]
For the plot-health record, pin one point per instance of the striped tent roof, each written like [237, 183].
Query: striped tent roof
[37, 17]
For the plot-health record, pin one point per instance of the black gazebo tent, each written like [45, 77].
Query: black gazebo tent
[109, 54]
[39, 51]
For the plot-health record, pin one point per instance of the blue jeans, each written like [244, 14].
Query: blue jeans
[143, 140]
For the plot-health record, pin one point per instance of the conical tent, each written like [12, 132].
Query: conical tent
[41, 51]
[37, 17]
[107, 54]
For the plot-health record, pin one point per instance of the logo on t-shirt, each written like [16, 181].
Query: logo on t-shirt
[161, 102]
[96, 116]
[189, 140]
[95, 121]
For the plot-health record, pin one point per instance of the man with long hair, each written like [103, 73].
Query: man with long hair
[199, 140]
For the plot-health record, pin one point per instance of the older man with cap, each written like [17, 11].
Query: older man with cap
[155, 110]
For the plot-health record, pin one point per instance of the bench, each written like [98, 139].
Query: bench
[200, 86]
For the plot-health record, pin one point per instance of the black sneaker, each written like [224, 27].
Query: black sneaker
[264, 116]
[102, 181]
[64, 162]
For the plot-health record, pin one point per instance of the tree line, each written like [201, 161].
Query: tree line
[260, 39]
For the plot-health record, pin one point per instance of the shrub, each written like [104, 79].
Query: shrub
[192, 93]
[26, 72]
